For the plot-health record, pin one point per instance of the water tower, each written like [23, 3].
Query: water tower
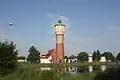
[59, 31]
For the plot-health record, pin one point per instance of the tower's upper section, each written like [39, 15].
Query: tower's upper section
[59, 21]
[59, 27]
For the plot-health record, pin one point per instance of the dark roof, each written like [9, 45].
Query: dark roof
[59, 24]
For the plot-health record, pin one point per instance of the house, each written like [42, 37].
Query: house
[72, 60]
[90, 58]
[21, 60]
[49, 57]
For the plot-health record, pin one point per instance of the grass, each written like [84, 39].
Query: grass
[85, 76]
[33, 72]
[29, 72]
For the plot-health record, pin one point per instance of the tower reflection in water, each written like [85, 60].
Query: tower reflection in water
[60, 69]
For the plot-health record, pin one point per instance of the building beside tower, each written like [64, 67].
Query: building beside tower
[49, 57]
[59, 31]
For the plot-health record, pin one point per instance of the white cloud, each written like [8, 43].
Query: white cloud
[52, 15]
[113, 27]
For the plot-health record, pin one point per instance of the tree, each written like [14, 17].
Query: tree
[8, 57]
[96, 55]
[83, 56]
[66, 57]
[21, 58]
[71, 57]
[118, 56]
[108, 56]
[34, 55]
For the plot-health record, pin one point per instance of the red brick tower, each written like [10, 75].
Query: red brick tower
[59, 31]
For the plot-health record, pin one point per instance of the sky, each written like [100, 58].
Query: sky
[90, 24]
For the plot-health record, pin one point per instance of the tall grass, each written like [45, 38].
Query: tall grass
[32, 73]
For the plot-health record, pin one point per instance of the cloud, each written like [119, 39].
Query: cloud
[113, 27]
[52, 15]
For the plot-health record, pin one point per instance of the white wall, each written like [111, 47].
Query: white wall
[102, 59]
[73, 60]
[90, 59]
[50, 57]
[44, 61]
[21, 60]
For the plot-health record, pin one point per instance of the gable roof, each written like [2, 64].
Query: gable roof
[46, 56]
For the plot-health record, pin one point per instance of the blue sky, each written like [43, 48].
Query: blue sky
[90, 24]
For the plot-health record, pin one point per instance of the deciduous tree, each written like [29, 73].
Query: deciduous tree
[8, 57]
[21, 58]
[83, 56]
[65, 57]
[118, 56]
[96, 55]
[34, 55]
[108, 56]
[72, 57]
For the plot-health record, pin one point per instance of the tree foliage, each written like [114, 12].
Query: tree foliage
[34, 55]
[21, 58]
[108, 56]
[118, 56]
[72, 57]
[8, 57]
[96, 55]
[65, 57]
[83, 56]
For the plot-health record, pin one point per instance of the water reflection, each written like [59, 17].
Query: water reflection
[97, 68]
[80, 69]
[45, 68]
[103, 67]
[72, 69]
[90, 68]
[60, 69]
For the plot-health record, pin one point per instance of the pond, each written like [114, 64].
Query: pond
[80, 69]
